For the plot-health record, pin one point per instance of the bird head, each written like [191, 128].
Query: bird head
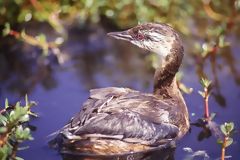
[154, 37]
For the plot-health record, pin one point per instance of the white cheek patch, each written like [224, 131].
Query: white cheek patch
[161, 48]
[160, 44]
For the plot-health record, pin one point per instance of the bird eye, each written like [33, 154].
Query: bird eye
[140, 36]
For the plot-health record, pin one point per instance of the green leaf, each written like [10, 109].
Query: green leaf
[221, 42]
[223, 129]
[6, 29]
[229, 127]
[6, 103]
[21, 110]
[201, 93]
[12, 116]
[17, 114]
[26, 100]
[3, 130]
[41, 38]
[32, 114]
[229, 142]
[3, 120]
[23, 134]
[13, 121]
[4, 152]
[19, 133]
[23, 33]
[18, 2]
[17, 104]
[18, 158]
[32, 103]
[219, 141]
[185, 89]
[24, 118]
[205, 82]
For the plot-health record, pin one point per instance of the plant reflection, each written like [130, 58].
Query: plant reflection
[209, 128]
[22, 69]
[220, 58]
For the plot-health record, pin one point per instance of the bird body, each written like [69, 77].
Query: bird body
[121, 120]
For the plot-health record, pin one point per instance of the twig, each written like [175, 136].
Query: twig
[206, 108]
[217, 16]
[36, 5]
[14, 151]
[223, 148]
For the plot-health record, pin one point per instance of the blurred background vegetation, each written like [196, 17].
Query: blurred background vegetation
[37, 34]
[204, 24]
[201, 18]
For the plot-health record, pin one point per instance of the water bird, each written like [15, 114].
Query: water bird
[122, 120]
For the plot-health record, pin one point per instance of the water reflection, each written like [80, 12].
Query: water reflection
[163, 154]
[220, 60]
[22, 68]
[96, 55]
[231, 62]
[92, 60]
[208, 128]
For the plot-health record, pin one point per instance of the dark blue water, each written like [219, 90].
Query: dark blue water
[91, 60]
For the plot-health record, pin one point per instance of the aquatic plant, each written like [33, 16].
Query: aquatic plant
[14, 129]
[206, 84]
[212, 127]
[227, 130]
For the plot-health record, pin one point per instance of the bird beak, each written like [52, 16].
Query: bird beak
[124, 35]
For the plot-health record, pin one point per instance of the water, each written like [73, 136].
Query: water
[92, 60]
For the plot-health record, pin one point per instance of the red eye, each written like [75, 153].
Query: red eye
[140, 37]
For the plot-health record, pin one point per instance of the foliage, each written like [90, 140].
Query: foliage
[226, 141]
[39, 40]
[19, 11]
[206, 84]
[227, 129]
[13, 128]
[210, 20]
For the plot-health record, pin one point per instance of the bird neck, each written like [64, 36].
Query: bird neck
[164, 79]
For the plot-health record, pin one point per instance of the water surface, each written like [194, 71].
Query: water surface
[93, 60]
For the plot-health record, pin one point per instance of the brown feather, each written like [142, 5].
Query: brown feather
[121, 120]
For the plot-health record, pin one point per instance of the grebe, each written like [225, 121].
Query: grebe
[121, 120]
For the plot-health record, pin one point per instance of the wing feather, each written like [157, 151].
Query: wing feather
[120, 112]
